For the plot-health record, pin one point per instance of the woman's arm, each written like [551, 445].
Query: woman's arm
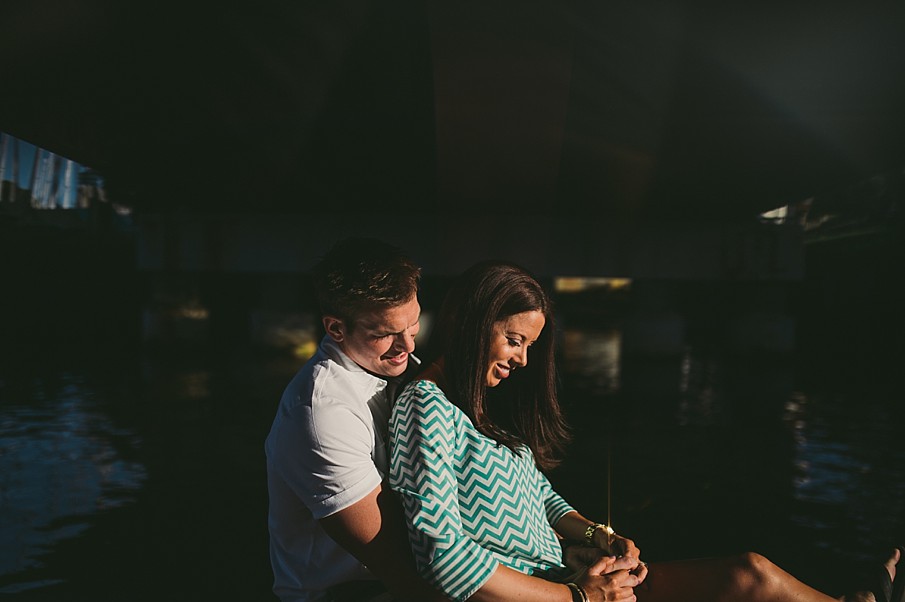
[607, 579]
[571, 525]
[576, 527]
[508, 584]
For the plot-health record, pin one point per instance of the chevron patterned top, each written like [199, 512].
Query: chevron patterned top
[470, 503]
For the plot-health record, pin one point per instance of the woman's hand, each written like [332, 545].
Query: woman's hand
[615, 544]
[611, 579]
[619, 546]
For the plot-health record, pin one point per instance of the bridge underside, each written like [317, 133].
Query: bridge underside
[642, 111]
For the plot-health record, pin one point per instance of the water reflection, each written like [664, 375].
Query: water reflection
[58, 466]
[698, 403]
[717, 450]
[591, 359]
[849, 486]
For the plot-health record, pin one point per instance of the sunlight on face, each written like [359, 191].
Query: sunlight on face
[509, 344]
[381, 341]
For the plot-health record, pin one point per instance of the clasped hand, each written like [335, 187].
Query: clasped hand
[607, 572]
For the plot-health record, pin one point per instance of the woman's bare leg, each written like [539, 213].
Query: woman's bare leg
[746, 578]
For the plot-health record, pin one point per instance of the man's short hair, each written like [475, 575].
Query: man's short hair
[361, 274]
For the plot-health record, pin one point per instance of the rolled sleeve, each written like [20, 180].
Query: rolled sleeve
[554, 505]
[325, 457]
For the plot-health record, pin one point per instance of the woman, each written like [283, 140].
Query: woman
[469, 437]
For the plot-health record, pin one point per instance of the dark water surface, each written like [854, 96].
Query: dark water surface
[140, 476]
[752, 453]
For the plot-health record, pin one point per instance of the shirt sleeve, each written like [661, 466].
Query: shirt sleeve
[324, 456]
[554, 505]
[423, 435]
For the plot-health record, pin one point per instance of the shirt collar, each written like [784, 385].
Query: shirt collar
[333, 351]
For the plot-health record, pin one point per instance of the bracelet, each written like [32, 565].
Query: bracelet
[578, 593]
[589, 532]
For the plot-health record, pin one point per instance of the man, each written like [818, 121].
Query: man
[335, 528]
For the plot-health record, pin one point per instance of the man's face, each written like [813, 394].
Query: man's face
[379, 341]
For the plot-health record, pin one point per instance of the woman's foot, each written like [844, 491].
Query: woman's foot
[882, 591]
[898, 586]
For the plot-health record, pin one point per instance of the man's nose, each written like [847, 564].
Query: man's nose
[405, 342]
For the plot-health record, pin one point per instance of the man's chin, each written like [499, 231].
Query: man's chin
[391, 369]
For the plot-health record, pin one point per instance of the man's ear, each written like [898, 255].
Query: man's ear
[335, 328]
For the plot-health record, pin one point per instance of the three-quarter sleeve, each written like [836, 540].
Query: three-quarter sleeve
[422, 471]
[554, 505]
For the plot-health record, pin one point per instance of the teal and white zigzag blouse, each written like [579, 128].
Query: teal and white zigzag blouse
[470, 504]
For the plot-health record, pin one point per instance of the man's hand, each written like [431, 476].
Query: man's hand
[579, 557]
[615, 544]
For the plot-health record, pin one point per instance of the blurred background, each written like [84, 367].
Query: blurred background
[712, 194]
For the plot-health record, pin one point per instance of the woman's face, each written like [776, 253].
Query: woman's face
[509, 344]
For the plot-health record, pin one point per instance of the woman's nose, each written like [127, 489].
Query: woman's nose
[521, 357]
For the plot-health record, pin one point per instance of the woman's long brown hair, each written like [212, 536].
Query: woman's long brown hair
[524, 409]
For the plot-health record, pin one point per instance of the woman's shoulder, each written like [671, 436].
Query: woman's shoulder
[423, 390]
[425, 402]
[426, 396]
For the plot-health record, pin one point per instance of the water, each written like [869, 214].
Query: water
[794, 455]
[60, 465]
[136, 478]
[140, 475]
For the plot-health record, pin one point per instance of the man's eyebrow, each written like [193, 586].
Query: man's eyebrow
[377, 329]
[372, 326]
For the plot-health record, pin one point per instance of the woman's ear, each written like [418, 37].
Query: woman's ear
[334, 328]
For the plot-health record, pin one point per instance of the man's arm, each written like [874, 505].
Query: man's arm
[373, 530]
